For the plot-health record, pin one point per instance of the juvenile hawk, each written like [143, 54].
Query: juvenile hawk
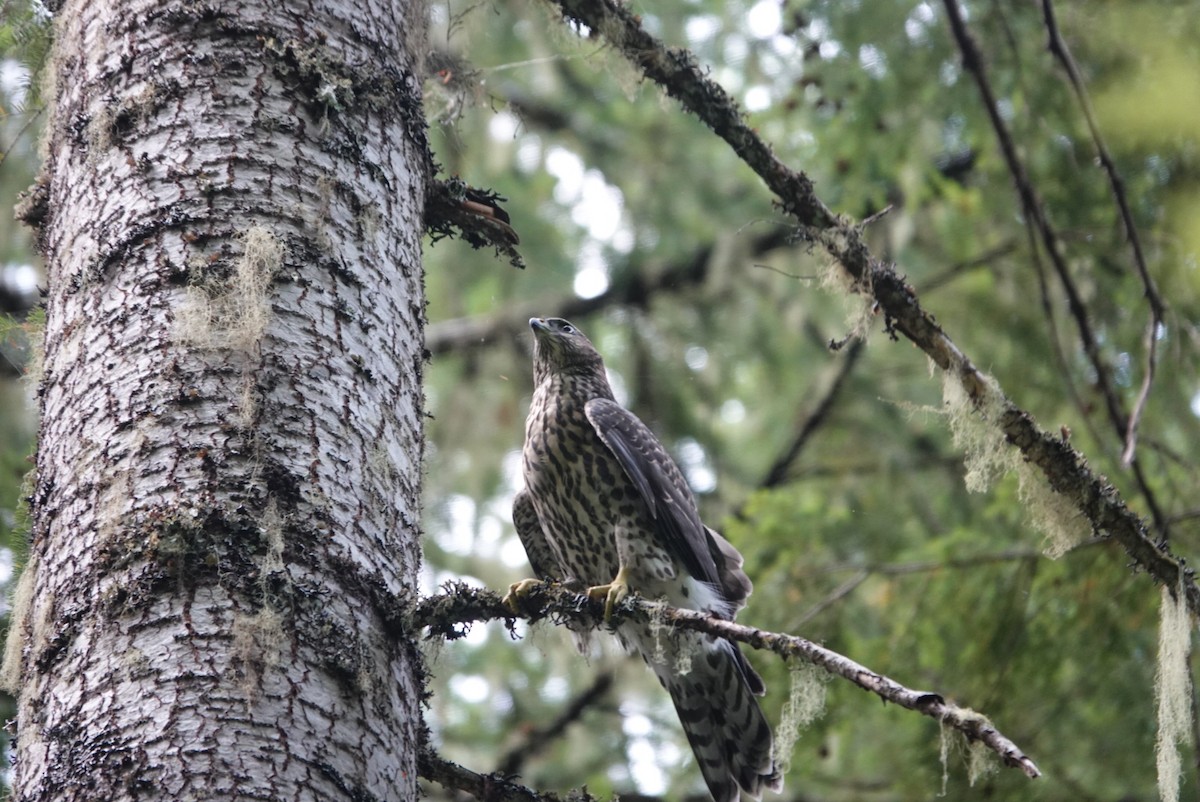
[606, 506]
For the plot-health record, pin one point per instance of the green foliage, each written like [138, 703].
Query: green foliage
[25, 36]
[1047, 649]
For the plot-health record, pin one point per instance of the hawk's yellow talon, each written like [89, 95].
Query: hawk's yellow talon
[613, 593]
[516, 590]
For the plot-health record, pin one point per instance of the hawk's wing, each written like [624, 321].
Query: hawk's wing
[661, 485]
[533, 538]
[735, 585]
[705, 554]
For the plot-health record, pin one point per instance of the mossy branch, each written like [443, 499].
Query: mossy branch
[678, 72]
[495, 787]
[449, 615]
[474, 215]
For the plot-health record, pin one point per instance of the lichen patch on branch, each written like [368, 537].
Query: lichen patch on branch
[975, 422]
[974, 427]
[1173, 691]
[805, 704]
[1051, 513]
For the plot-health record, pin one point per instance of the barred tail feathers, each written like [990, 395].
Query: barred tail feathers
[715, 700]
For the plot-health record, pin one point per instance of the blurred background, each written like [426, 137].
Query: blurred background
[24, 36]
[832, 470]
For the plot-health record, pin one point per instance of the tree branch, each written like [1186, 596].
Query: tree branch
[633, 287]
[1056, 348]
[1058, 47]
[536, 741]
[488, 787]
[840, 592]
[448, 614]
[777, 474]
[1066, 469]
[498, 788]
[952, 272]
[453, 209]
[1035, 212]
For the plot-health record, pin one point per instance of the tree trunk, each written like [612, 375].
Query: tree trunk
[229, 462]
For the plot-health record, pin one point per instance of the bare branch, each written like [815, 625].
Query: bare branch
[1056, 348]
[632, 287]
[864, 572]
[1035, 212]
[1186, 515]
[840, 592]
[446, 615]
[1058, 47]
[1065, 468]
[678, 72]
[778, 472]
[537, 740]
[498, 788]
[488, 787]
[972, 561]
[954, 271]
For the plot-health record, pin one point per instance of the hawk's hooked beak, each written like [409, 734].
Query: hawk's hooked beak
[544, 341]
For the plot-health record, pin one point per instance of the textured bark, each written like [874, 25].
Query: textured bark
[231, 437]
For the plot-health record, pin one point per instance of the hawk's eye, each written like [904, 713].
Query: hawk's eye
[567, 328]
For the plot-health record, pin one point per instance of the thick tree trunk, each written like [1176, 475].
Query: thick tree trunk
[231, 436]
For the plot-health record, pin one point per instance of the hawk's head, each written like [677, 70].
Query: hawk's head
[559, 347]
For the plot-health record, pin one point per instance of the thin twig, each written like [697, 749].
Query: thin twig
[864, 572]
[1139, 404]
[488, 787]
[953, 271]
[1032, 206]
[33, 117]
[1186, 515]
[1056, 347]
[446, 615]
[778, 472]
[1018, 554]
[877, 216]
[1058, 47]
[840, 592]
[537, 740]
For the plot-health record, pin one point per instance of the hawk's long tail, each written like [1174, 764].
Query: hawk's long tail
[714, 694]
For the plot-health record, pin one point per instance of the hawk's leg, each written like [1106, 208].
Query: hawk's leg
[613, 593]
[517, 590]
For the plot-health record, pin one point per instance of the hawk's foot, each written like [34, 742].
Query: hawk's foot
[613, 593]
[517, 590]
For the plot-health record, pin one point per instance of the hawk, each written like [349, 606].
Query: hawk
[605, 506]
